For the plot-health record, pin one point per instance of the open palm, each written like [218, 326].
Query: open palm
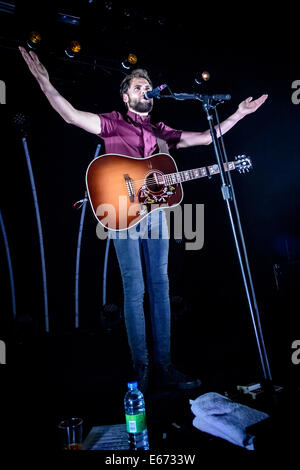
[35, 66]
[248, 106]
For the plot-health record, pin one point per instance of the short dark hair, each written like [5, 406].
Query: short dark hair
[136, 73]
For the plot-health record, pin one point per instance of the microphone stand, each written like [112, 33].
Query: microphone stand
[209, 103]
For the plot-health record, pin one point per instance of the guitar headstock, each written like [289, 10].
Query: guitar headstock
[242, 163]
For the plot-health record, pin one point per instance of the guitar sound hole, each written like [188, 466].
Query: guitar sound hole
[155, 182]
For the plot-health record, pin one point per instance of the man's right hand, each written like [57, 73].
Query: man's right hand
[36, 67]
[90, 122]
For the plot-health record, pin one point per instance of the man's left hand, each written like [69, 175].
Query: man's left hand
[248, 106]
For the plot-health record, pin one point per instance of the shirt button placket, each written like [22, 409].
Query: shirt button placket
[144, 134]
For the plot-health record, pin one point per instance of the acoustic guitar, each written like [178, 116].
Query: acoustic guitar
[123, 190]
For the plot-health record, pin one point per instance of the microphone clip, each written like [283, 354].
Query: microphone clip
[155, 93]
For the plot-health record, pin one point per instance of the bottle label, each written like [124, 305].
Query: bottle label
[136, 423]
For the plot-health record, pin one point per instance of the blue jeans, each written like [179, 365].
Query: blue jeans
[155, 249]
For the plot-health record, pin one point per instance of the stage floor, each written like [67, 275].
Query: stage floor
[84, 373]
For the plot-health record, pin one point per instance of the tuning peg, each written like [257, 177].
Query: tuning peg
[243, 163]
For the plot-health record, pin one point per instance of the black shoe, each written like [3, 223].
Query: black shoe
[169, 376]
[142, 376]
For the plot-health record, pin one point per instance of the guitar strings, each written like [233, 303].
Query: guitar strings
[153, 180]
[147, 181]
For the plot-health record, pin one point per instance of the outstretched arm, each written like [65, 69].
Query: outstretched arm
[87, 121]
[189, 139]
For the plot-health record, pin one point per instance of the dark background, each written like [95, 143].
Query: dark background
[247, 53]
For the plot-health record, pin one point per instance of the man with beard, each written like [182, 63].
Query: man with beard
[134, 135]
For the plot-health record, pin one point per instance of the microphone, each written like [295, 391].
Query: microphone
[155, 93]
[221, 97]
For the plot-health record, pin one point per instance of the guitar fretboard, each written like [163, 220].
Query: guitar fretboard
[187, 175]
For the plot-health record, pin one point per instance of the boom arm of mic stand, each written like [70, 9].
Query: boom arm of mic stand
[196, 96]
[182, 96]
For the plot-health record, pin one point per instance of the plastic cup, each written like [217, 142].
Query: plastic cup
[70, 434]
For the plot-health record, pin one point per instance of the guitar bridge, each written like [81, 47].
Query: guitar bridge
[130, 187]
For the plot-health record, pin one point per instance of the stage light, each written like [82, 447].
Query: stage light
[127, 12]
[203, 76]
[34, 39]
[73, 49]
[161, 20]
[21, 123]
[108, 5]
[130, 61]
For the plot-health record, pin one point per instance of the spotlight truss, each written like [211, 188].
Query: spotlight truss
[7, 7]
[68, 19]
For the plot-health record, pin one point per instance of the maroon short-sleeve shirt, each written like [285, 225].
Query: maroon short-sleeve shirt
[134, 135]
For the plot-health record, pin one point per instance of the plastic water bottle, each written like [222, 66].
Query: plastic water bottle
[135, 415]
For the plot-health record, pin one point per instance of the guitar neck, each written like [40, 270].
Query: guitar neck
[188, 175]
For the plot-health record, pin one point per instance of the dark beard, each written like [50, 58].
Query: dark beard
[142, 107]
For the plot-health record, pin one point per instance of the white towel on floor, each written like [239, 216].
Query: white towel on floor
[222, 417]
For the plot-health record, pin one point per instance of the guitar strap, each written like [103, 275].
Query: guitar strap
[162, 145]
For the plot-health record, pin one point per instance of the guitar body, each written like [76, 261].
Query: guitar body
[123, 190]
